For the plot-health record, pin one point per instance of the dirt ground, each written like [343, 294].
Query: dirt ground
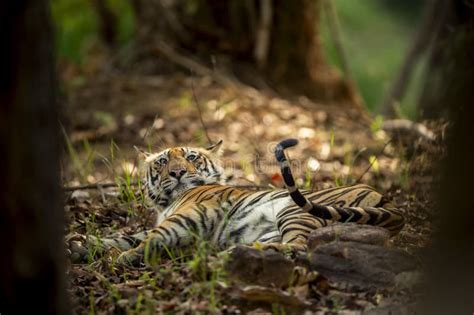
[107, 115]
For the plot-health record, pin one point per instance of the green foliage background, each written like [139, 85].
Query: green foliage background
[376, 35]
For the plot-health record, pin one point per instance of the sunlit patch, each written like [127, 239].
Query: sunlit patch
[306, 133]
[313, 164]
[325, 150]
[128, 168]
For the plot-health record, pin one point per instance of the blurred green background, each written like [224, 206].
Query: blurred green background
[375, 34]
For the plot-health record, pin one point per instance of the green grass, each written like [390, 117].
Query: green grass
[76, 26]
[376, 39]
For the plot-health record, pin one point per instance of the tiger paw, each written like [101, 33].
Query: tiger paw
[79, 247]
[130, 258]
[76, 248]
[289, 249]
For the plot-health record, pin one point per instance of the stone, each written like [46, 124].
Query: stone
[255, 293]
[360, 266]
[79, 195]
[254, 266]
[350, 232]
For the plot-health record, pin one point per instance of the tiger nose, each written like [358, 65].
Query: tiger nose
[177, 173]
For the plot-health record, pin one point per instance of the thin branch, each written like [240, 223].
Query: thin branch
[93, 186]
[196, 101]
[114, 185]
[372, 163]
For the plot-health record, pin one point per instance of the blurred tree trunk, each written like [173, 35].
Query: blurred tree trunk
[107, 22]
[276, 41]
[31, 218]
[433, 17]
[450, 40]
[451, 286]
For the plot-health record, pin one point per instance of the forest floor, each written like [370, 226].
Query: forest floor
[107, 115]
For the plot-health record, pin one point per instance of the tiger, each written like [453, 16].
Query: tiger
[187, 187]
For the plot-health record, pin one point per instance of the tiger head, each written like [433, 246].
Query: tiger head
[171, 172]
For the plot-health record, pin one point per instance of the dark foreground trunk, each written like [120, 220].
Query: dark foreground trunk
[31, 222]
[451, 286]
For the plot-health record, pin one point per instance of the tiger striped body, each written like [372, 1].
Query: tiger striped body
[226, 215]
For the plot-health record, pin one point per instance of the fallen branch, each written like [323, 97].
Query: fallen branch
[94, 186]
[188, 63]
[194, 66]
[109, 185]
[408, 127]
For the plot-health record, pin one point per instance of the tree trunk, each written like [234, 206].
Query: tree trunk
[276, 42]
[433, 19]
[451, 284]
[31, 216]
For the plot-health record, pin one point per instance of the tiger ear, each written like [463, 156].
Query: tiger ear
[215, 148]
[142, 154]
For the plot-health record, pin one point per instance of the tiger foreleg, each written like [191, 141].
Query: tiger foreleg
[174, 232]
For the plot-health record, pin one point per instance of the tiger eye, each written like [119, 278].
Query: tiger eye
[192, 157]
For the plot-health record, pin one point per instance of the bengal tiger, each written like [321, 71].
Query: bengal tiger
[187, 187]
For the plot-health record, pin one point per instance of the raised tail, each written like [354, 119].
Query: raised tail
[288, 179]
[383, 214]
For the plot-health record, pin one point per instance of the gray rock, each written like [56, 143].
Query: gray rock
[265, 268]
[349, 232]
[393, 309]
[361, 266]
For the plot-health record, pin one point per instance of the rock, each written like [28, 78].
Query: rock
[408, 279]
[79, 195]
[253, 266]
[393, 309]
[78, 251]
[360, 266]
[255, 293]
[349, 232]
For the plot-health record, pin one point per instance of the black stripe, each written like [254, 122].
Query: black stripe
[189, 222]
[177, 221]
[321, 212]
[298, 198]
[360, 197]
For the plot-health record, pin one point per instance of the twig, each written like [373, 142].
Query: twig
[199, 110]
[108, 185]
[373, 161]
[94, 186]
